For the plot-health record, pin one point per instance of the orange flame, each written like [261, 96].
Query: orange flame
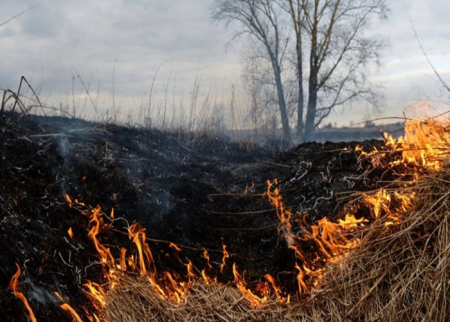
[239, 281]
[208, 280]
[329, 238]
[206, 256]
[68, 308]
[13, 286]
[276, 289]
[224, 258]
[175, 247]
[97, 223]
[73, 313]
[96, 292]
[425, 143]
[69, 201]
[190, 270]
[122, 266]
[70, 232]
[137, 234]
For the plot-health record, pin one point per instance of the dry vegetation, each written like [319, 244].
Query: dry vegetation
[401, 273]
[398, 272]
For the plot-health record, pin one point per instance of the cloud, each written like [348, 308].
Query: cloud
[91, 36]
[406, 73]
[42, 23]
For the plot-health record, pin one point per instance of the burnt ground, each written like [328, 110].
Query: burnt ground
[186, 189]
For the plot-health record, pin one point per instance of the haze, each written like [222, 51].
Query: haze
[116, 48]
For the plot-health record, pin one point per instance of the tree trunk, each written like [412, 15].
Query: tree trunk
[300, 102]
[313, 80]
[310, 113]
[287, 139]
[283, 111]
[312, 99]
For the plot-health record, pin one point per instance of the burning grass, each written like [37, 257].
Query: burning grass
[399, 269]
[396, 273]
[135, 300]
[384, 256]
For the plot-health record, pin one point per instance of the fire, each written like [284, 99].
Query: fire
[190, 270]
[277, 289]
[165, 284]
[380, 202]
[315, 245]
[206, 256]
[70, 232]
[97, 293]
[97, 223]
[13, 286]
[425, 144]
[224, 258]
[69, 201]
[328, 238]
[351, 222]
[122, 266]
[425, 147]
[239, 281]
[175, 247]
[68, 308]
[73, 313]
[207, 279]
[137, 234]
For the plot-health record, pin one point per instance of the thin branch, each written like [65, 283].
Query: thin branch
[425, 54]
[20, 13]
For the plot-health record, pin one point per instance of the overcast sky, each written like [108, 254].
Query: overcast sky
[61, 39]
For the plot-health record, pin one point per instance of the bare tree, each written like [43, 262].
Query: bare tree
[257, 73]
[330, 39]
[295, 11]
[339, 53]
[260, 20]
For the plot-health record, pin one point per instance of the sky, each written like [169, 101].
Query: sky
[123, 50]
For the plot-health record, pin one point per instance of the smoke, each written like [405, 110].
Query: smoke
[63, 145]
[40, 294]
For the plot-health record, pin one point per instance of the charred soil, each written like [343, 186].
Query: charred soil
[196, 191]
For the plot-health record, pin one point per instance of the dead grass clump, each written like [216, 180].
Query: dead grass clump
[398, 272]
[135, 300]
[401, 272]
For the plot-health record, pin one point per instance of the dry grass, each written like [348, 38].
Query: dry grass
[135, 300]
[401, 273]
[397, 273]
